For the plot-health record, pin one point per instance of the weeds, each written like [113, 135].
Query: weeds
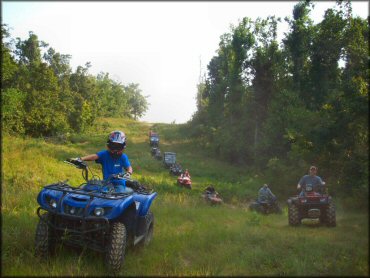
[191, 238]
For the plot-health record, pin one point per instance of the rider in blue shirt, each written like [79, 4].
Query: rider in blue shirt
[111, 165]
[265, 195]
[312, 180]
[113, 160]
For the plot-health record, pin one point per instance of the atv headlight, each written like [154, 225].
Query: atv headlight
[53, 203]
[99, 211]
[303, 200]
[322, 199]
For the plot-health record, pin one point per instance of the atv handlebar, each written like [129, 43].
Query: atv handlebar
[120, 176]
[77, 162]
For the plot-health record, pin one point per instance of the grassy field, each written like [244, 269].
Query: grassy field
[191, 238]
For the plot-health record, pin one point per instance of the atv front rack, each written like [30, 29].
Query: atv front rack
[66, 188]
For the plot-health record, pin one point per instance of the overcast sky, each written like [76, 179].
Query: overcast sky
[158, 45]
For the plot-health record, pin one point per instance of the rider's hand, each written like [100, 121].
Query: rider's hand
[76, 160]
[127, 175]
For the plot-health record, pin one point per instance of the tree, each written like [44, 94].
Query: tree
[327, 46]
[8, 64]
[13, 110]
[59, 63]
[298, 45]
[265, 68]
[138, 103]
[29, 51]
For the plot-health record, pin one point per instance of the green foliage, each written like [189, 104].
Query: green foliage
[13, 111]
[279, 108]
[136, 101]
[8, 64]
[297, 44]
[43, 97]
[59, 63]
[191, 238]
[28, 51]
[41, 117]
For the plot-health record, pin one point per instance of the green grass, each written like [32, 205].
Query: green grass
[191, 238]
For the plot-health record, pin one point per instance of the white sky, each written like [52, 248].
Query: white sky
[158, 45]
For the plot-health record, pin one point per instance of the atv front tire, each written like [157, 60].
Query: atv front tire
[293, 215]
[149, 223]
[44, 240]
[330, 215]
[116, 247]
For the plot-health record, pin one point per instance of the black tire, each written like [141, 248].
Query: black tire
[264, 209]
[322, 216]
[293, 215]
[44, 239]
[116, 247]
[149, 220]
[330, 215]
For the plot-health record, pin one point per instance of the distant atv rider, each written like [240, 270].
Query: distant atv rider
[311, 180]
[185, 174]
[113, 160]
[265, 195]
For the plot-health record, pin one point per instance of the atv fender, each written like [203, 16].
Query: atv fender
[41, 197]
[124, 204]
[143, 202]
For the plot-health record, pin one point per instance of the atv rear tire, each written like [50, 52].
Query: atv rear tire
[330, 215]
[44, 240]
[116, 247]
[293, 215]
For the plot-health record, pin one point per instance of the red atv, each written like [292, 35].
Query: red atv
[184, 181]
[312, 204]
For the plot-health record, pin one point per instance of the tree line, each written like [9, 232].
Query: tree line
[280, 107]
[42, 96]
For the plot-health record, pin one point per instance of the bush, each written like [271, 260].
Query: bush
[13, 111]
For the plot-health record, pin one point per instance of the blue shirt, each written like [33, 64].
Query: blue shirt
[313, 181]
[265, 194]
[110, 165]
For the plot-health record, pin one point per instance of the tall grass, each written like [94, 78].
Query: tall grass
[191, 238]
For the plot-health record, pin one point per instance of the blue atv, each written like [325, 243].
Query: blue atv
[154, 139]
[266, 206]
[95, 215]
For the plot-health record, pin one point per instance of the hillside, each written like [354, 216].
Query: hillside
[191, 238]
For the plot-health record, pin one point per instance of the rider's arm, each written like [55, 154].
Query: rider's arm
[321, 181]
[90, 157]
[129, 170]
[270, 193]
[300, 183]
